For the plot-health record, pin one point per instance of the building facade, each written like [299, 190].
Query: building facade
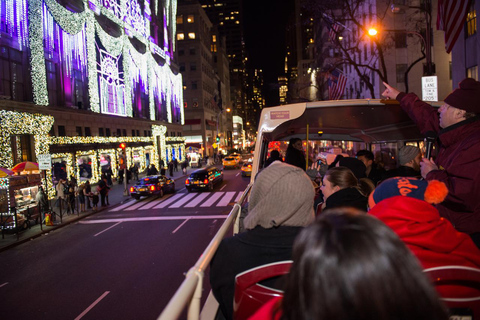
[79, 77]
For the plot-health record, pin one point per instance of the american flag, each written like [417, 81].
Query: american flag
[451, 19]
[336, 84]
[332, 27]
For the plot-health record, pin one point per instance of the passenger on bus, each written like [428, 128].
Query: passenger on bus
[340, 188]
[409, 158]
[406, 205]
[348, 265]
[280, 205]
[458, 161]
[295, 155]
[274, 156]
[374, 172]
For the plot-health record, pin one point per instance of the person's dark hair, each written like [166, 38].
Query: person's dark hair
[342, 177]
[348, 265]
[334, 163]
[366, 153]
[292, 142]
[275, 154]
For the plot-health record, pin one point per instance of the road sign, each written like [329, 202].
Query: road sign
[44, 161]
[429, 88]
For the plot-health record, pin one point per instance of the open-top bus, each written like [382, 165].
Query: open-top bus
[378, 125]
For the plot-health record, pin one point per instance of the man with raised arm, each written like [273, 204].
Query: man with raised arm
[458, 159]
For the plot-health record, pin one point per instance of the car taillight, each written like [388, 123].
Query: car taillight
[205, 181]
[187, 182]
[152, 188]
[131, 189]
[249, 165]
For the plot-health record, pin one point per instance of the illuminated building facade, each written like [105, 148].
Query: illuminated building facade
[81, 76]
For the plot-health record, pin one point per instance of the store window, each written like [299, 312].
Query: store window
[22, 148]
[84, 167]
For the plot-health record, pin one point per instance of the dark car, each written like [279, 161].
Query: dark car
[152, 185]
[204, 179]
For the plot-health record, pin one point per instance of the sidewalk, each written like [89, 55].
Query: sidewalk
[115, 196]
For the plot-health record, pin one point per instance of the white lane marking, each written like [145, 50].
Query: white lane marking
[182, 201]
[2, 285]
[108, 228]
[237, 174]
[139, 204]
[223, 187]
[129, 203]
[239, 196]
[155, 202]
[197, 200]
[212, 199]
[152, 219]
[180, 226]
[226, 199]
[163, 204]
[92, 305]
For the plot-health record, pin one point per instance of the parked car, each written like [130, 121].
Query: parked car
[247, 169]
[204, 179]
[230, 162]
[152, 185]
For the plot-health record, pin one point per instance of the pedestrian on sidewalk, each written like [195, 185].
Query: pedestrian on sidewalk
[88, 194]
[170, 168]
[42, 202]
[95, 199]
[175, 164]
[81, 197]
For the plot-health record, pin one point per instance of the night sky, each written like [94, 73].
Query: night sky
[265, 22]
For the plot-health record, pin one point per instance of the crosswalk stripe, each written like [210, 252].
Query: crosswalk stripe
[212, 199]
[138, 204]
[182, 201]
[155, 202]
[163, 204]
[169, 218]
[239, 196]
[123, 206]
[226, 199]
[197, 200]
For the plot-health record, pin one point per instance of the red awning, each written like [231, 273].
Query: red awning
[211, 123]
[192, 121]
[193, 145]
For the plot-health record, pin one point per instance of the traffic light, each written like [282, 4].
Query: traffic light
[218, 138]
[122, 145]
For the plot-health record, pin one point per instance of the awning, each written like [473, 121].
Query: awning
[193, 145]
[193, 121]
[211, 123]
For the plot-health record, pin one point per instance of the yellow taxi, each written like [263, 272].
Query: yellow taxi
[247, 169]
[230, 162]
[236, 156]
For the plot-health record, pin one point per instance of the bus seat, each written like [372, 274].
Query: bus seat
[459, 276]
[250, 295]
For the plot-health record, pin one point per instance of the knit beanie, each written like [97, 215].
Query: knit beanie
[433, 191]
[358, 167]
[466, 96]
[407, 154]
[282, 195]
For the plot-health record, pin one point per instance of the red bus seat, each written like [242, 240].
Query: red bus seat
[250, 295]
[458, 276]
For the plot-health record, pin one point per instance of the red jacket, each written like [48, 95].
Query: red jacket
[431, 238]
[458, 160]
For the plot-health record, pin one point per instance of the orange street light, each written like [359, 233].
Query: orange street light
[228, 109]
[372, 32]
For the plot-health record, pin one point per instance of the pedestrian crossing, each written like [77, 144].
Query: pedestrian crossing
[183, 200]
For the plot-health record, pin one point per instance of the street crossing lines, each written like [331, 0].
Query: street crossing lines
[182, 201]
[197, 200]
[226, 199]
[212, 199]
[155, 202]
[166, 202]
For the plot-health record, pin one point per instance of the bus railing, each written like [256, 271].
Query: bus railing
[190, 291]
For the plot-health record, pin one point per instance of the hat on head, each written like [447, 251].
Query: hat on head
[466, 96]
[282, 195]
[407, 154]
[358, 167]
[433, 191]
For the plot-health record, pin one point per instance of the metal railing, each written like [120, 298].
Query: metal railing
[190, 291]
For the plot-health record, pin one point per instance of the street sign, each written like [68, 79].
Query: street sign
[44, 161]
[429, 88]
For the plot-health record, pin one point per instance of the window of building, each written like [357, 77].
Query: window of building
[119, 132]
[52, 131]
[214, 38]
[401, 69]
[182, 66]
[191, 35]
[88, 133]
[101, 132]
[107, 132]
[190, 18]
[61, 131]
[22, 147]
[181, 52]
[400, 40]
[213, 48]
[180, 36]
[472, 20]
[172, 134]
[124, 132]
[472, 72]
[195, 103]
[179, 134]
[133, 133]
[192, 51]
[180, 19]
[194, 85]
[144, 133]
[138, 133]
[79, 131]
[193, 66]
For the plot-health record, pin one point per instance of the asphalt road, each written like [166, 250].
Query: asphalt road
[123, 263]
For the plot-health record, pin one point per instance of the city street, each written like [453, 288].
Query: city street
[125, 262]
